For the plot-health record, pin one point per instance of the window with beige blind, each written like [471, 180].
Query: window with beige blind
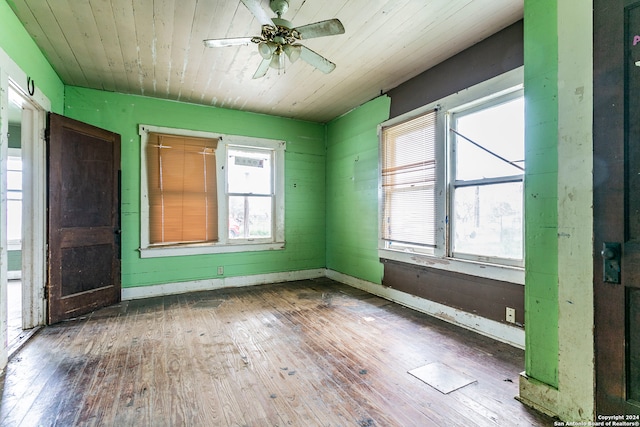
[209, 193]
[183, 203]
[451, 182]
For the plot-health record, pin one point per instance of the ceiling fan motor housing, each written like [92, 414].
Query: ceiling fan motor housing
[283, 33]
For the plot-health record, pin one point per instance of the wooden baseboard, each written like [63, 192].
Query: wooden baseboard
[139, 292]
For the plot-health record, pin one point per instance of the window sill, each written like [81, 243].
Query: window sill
[167, 251]
[490, 271]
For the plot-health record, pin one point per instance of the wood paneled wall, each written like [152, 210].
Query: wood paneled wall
[478, 295]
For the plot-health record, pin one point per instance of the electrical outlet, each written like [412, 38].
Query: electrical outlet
[511, 315]
[220, 271]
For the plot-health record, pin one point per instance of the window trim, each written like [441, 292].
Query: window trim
[439, 258]
[224, 245]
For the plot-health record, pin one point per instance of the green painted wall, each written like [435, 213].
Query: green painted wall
[541, 195]
[352, 191]
[22, 50]
[15, 41]
[304, 183]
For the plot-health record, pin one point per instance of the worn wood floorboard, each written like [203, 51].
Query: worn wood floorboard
[307, 353]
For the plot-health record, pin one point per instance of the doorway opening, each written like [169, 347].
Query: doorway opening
[25, 218]
[14, 220]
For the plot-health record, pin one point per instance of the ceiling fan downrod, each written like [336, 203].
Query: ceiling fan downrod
[279, 7]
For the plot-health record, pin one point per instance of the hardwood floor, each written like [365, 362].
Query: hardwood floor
[308, 353]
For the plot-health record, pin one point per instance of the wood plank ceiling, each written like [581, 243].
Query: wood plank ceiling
[154, 48]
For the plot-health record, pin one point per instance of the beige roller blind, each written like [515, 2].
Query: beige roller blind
[183, 204]
[408, 181]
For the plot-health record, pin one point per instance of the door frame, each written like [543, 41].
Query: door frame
[34, 209]
[35, 256]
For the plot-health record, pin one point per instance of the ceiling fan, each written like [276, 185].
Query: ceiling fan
[279, 38]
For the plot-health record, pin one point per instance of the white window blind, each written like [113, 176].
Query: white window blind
[409, 180]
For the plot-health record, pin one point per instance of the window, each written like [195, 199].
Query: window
[195, 184]
[14, 199]
[250, 192]
[408, 183]
[181, 174]
[451, 182]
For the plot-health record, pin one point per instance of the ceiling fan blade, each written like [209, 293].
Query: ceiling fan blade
[237, 41]
[257, 11]
[262, 68]
[330, 27]
[318, 61]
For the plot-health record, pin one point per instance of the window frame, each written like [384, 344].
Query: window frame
[224, 244]
[440, 257]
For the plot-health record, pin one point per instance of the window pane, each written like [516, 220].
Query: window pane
[14, 173]
[14, 195]
[500, 129]
[410, 215]
[249, 171]
[250, 217]
[14, 163]
[488, 220]
[14, 220]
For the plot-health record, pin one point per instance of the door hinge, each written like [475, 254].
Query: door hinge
[46, 292]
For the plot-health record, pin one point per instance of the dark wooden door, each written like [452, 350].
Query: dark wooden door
[617, 204]
[84, 219]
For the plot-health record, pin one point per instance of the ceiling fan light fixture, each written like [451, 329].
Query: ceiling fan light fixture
[277, 61]
[292, 51]
[266, 49]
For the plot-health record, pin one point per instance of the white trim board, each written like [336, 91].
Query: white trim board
[498, 331]
[221, 283]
